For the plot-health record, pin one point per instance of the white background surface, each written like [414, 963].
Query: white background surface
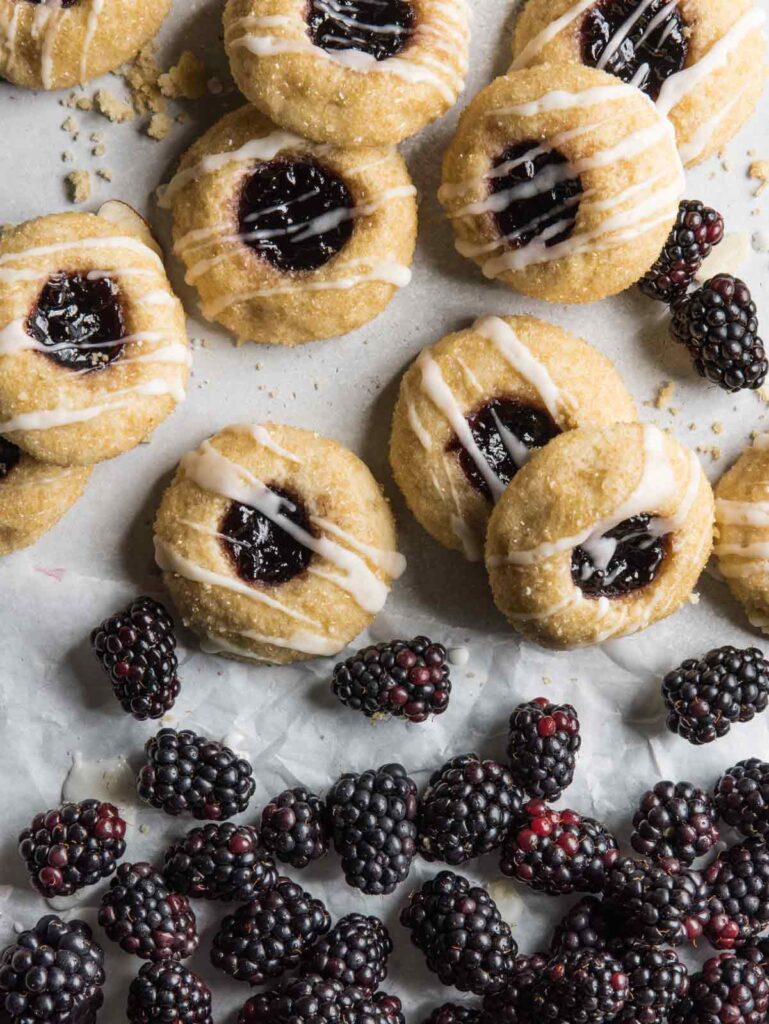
[54, 701]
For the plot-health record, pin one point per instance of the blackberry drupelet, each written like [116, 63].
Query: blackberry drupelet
[294, 827]
[52, 974]
[143, 917]
[380, 1007]
[588, 925]
[705, 696]
[453, 1013]
[739, 900]
[72, 846]
[512, 1004]
[220, 862]
[728, 990]
[189, 773]
[696, 230]
[167, 993]
[315, 1000]
[742, 797]
[137, 650]
[674, 820]
[373, 827]
[718, 325]
[403, 678]
[586, 987]
[657, 982]
[460, 931]
[354, 952]
[467, 809]
[543, 746]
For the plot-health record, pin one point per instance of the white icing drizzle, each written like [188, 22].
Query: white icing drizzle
[301, 640]
[76, 245]
[562, 99]
[574, 598]
[622, 33]
[263, 437]
[97, 6]
[50, 27]
[750, 549]
[742, 570]
[700, 140]
[540, 41]
[422, 433]
[742, 513]
[471, 546]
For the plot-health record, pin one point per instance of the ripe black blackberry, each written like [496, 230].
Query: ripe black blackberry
[189, 773]
[588, 925]
[558, 852]
[512, 1004]
[294, 827]
[354, 952]
[739, 899]
[373, 826]
[461, 932]
[657, 982]
[705, 696]
[220, 862]
[270, 934]
[674, 820]
[72, 846]
[380, 1007]
[717, 324]
[403, 679]
[467, 809]
[586, 987]
[52, 974]
[143, 917]
[742, 797]
[543, 746]
[453, 1013]
[137, 650]
[315, 1000]
[696, 230]
[168, 992]
[728, 990]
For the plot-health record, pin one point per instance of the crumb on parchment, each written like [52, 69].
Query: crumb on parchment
[759, 171]
[185, 80]
[113, 108]
[159, 126]
[717, 427]
[665, 394]
[105, 173]
[79, 185]
[141, 75]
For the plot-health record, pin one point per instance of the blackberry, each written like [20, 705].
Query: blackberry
[544, 741]
[137, 650]
[558, 852]
[315, 1000]
[381, 1005]
[467, 810]
[586, 987]
[460, 931]
[373, 827]
[73, 846]
[52, 974]
[294, 827]
[354, 952]
[757, 951]
[220, 862]
[739, 900]
[403, 679]
[657, 982]
[696, 230]
[742, 797]
[512, 1004]
[453, 1013]
[269, 935]
[167, 993]
[674, 820]
[186, 772]
[588, 925]
[143, 917]
[728, 990]
[717, 324]
[705, 696]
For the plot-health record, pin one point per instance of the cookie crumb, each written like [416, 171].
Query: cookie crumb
[113, 108]
[79, 185]
[105, 173]
[185, 80]
[665, 394]
[717, 427]
[99, 150]
[694, 598]
[763, 393]
[69, 125]
[141, 76]
[712, 450]
[84, 103]
[67, 156]
[692, 426]
[159, 126]
[759, 171]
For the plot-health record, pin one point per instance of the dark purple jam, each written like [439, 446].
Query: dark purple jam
[634, 564]
[64, 3]
[261, 551]
[9, 457]
[380, 28]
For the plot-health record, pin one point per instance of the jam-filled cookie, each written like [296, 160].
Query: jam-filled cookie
[701, 61]
[276, 544]
[563, 182]
[33, 496]
[473, 408]
[93, 345]
[287, 241]
[350, 72]
[55, 44]
[604, 532]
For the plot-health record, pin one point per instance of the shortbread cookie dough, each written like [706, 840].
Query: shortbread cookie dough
[276, 544]
[604, 532]
[93, 346]
[287, 241]
[55, 45]
[349, 72]
[473, 408]
[702, 61]
[33, 496]
[563, 182]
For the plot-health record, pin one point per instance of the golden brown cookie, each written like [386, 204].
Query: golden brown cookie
[602, 533]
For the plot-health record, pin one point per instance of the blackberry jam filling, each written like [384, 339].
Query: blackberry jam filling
[629, 561]
[261, 551]
[380, 28]
[543, 196]
[79, 320]
[9, 457]
[642, 43]
[505, 432]
[64, 3]
[295, 214]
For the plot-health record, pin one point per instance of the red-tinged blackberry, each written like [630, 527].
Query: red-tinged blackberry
[52, 974]
[558, 852]
[705, 696]
[696, 230]
[588, 925]
[140, 913]
[757, 951]
[72, 846]
[220, 862]
[674, 821]
[739, 898]
[467, 809]
[543, 746]
[717, 323]
[189, 773]
[137, 650]
[728, 990]
[657, 982]
[453, 1013]
[373, 826]
[460, 930]
[742, 797]
[512, 1004]
[294, 827]
[354, 952]
[586, 987]
[167, 993]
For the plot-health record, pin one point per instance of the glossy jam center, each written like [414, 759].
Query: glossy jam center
[639, 42]
[380, 28]
[9, 457]
[625, 559]
[79, 321]
[260, 550]
[295, 214]
[535, 195]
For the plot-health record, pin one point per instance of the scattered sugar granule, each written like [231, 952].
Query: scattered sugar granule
[665, 394]
[186, 80]
[692, 426]
[113, 108]
[712, 450]
[105, 173]
[694, 598]
[159, 127]
[79, 185]
[717, 427]
[70, 126]
[759, 171]
[727, 257]
[141, 76]
[674, 410]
